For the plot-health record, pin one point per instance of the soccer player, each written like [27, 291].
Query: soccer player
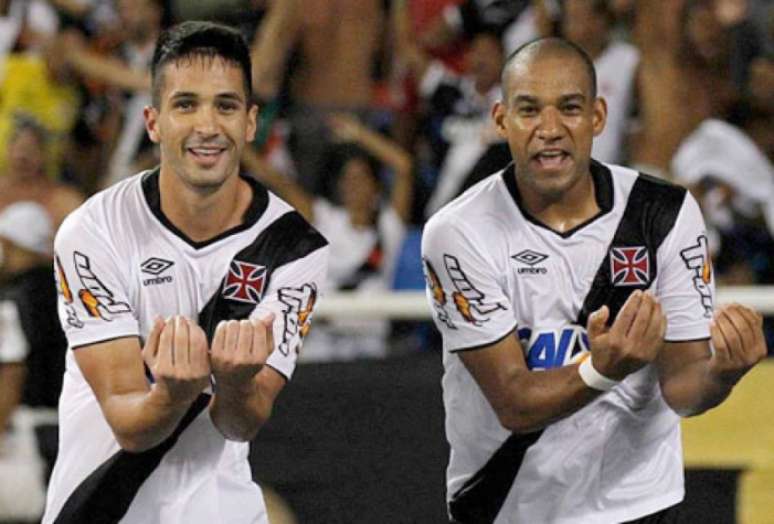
[575, 300]
[184, 293]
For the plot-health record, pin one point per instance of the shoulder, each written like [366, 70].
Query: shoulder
[103, 209]
[477, 209]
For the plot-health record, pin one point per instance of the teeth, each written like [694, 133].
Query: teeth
[206, 152]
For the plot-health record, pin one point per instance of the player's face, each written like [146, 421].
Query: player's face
[549, 119]
[203, 121]
[357, 188]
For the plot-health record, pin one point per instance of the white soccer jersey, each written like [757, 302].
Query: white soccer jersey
[492, 270]
[120, 263]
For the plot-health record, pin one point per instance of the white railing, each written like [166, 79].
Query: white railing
[406, 305]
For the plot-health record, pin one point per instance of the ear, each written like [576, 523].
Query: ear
[599, 118]
[151, 116]
[499, 112]
[252, 125]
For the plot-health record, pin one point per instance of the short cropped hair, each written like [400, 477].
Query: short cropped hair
[554, 44]
[206, 39]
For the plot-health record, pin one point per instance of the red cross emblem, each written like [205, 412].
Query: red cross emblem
[244, 282]
[629, 266]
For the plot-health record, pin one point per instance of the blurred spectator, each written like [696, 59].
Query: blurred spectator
[686, 73]
[32, 348]
[25, 25]
[336, 43]
[126, 70]
[733, 180]
[590, 23]
[459, 108]
[24, 177]
[364, 233]
[41, 86]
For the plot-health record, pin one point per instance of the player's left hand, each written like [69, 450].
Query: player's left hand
[239, 351]
[737, 335]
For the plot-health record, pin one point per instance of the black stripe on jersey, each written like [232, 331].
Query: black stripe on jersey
[150, 188]
[105, 495]
[288, 238]
[603, 193]
[650, 214]
[480, 499]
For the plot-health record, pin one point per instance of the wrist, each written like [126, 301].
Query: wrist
[593, 378]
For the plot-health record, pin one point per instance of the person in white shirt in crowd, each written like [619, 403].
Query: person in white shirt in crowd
[32, 349]
[365, 229]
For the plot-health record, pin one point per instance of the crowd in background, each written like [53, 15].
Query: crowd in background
[373, 114]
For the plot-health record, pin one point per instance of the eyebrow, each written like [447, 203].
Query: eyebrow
[530, 99]
[228, 95]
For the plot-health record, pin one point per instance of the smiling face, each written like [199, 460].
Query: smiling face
[202, 121]
[549, 117]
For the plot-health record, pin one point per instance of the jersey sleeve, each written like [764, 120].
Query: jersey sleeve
[465, 291]
[686, 284]
[293, 293]
[93, 296]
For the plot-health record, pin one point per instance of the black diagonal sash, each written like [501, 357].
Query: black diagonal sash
[650, 214]
[105, 495]
[480, 499]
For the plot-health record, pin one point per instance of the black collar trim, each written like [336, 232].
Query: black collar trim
[603, 193]
[259, 203]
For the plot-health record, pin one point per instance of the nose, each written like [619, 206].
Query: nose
[206, 122]
[550, 124]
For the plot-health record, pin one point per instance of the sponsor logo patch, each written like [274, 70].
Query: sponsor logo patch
[156, 266]
[470, 301]
[98, 300]
[436, 290]
[697, 259]
[531, 259]
[297, 315]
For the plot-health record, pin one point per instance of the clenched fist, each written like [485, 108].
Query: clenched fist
[176, 354]
[239, 351]
[633, 341]
[737, 336]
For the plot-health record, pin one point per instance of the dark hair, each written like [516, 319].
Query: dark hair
[25, 122]
[338, 156]
[554, 43]
[207, 39]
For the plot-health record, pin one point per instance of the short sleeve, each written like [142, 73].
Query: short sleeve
[686, 284]
[294, 291]
[93, 301]
[465, 290]
[14, 346]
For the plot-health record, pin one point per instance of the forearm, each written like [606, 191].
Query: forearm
[239, 412]
[385, 151]
[142, 420]
[109, 71]
[694, 390]
[538, 398]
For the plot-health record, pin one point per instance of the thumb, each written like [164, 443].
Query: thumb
[597, 323]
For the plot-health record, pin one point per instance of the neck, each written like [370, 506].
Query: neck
[203, 214]
[564, 211]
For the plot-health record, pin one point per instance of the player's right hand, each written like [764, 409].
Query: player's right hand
[176, 354]
[633, 341]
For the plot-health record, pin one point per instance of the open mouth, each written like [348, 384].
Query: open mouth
[552, 159]
[206, 155]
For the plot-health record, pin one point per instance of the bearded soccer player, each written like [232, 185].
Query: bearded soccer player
[184, 294]
[575, 301]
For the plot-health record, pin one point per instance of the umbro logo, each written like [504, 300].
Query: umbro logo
[531, 259]
[156, 266]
